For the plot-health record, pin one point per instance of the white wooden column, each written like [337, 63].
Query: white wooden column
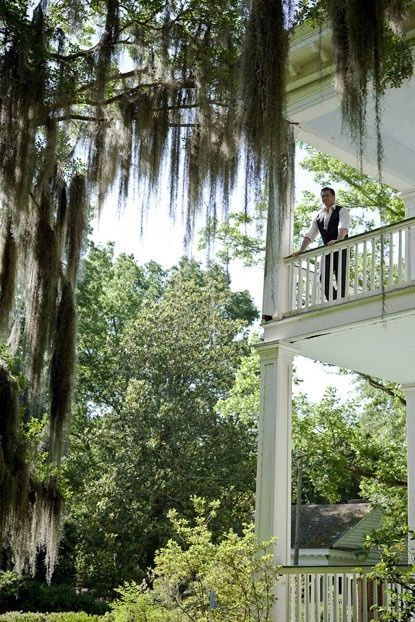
[409, 391]
[273, 490]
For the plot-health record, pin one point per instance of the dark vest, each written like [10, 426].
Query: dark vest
[332, 228]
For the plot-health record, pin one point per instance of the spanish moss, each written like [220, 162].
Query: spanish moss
[8, 275]
[263, 78]
[62, 369]
[14, 473]
[359, 34]
[43, 271]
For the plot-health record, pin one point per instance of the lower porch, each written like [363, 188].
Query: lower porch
[320, 593]
[336, 594]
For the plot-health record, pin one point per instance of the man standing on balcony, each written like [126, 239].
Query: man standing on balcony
[332, 222]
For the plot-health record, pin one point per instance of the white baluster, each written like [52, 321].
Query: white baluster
[355, 597]
[325, 599]
[400, 258]
[336, 608]
[312, 612]
[317, 608]
[315, 282]
[356, 269]
[364, 598]
[372, 274]
[330, 280]
[330, 579]
[300, 286]
[307, 284]
[323, 277]
[408, 252]
[364, 276]
[306, 598]
[390, 283]
[291, 597]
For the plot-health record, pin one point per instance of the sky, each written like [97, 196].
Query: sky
[162, 241]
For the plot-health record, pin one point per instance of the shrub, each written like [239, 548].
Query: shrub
[10, 583]
[67, 616]
[196, 579]
[23, 594]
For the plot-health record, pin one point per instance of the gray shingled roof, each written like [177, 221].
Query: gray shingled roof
[322, 525]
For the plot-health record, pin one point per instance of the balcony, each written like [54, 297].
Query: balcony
[365, 321]
[326, 594]
[374, 263]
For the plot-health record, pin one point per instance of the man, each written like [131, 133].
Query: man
[332, 222]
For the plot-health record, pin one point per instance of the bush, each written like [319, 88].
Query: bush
[67, 616]
[229, 581]
[23, 594]
[10, 584]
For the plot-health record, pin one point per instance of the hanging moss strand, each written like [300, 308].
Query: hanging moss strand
[62, 369]
[8, 276]
[360, 30]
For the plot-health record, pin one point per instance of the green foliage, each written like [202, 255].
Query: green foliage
[356, 189]
[173, 355]
[109, 296]
[240, 236]
[9, 588]
[324, 434]
[354, 450]
[26, 594]
[399, 580]
[196, 578]
[68, 616]
[351, 449]
[243, 399]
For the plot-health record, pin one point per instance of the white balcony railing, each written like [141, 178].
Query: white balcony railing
[342, 594]
[375, 262]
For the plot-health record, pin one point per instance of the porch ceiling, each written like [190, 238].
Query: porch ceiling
[314, 104]
[382, 347]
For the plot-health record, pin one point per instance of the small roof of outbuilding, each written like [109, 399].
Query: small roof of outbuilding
[323, 525]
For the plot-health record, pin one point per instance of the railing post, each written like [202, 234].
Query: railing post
[408, 197]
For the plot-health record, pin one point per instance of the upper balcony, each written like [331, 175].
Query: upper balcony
[367, 323]
[374, 263]
[365, 318]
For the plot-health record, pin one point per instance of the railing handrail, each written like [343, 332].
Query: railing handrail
[367, 235]
[330, 569]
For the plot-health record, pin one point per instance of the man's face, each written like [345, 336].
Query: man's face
[327, 198]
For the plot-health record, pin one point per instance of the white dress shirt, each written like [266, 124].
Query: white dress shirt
[324, 214]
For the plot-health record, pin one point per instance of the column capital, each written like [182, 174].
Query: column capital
[408, 197]
[408, 388]
[274, 350]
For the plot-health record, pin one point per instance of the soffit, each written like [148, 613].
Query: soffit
[314, 106]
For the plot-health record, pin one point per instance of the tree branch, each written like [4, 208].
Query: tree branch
[386, 389]
[78, 117]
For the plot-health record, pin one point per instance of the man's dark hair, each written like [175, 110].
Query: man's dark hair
[329, 189]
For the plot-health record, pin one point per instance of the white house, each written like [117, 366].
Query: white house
[370, 330]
